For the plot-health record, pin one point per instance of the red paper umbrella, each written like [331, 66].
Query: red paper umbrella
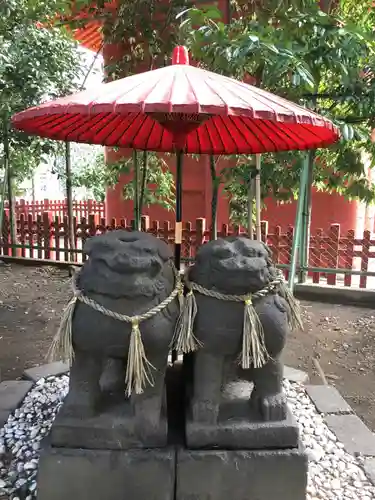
[180, 108]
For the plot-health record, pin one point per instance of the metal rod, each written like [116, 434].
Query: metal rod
[306, 224]
[69, 198]
[258, 228]
[137, 218]
[298, 221]
[215, 192]
[178, 229]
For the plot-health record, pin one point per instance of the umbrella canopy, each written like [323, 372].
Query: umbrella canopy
[180, 107]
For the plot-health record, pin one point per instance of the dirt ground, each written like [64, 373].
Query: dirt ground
[342, 338]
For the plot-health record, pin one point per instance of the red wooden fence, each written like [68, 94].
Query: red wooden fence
[46, 237]
[58, 208]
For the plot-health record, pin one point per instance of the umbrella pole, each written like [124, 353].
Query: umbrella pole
[298, 222]
[136, 191]
[257, 199]
[215, 192]
[250, 196]
[178, 228]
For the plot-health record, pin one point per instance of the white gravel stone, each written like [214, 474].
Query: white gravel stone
[333, 473]
[21, 436]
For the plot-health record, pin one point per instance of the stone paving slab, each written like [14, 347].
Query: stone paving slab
[353, 433]
[294, 375]
[4, 415]
[369, 467]
[327, 399]
[12, 393]
[44, 371]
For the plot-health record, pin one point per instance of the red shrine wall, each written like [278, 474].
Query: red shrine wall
[327, 209]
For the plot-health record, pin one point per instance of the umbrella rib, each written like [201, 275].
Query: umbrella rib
[265, 96]
[213, 120]
[130, 142]
[86, 120]
[204, 127]
[115, 136]
[64, 125]
[230, 135]
[65, 131]
[149, 135]
[281, 133]
[247, 124]
[108, 120]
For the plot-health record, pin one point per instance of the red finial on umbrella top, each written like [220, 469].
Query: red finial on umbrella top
[180, 55]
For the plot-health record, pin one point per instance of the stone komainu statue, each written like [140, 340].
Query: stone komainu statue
[125, 308]
[236, 318]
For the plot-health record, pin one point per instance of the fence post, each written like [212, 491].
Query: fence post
[47, 235]
[23, 234]
[200, 229]
[366, 243]
[264, 231]
[145, 223]
[276, 245]
[316, 254]
[334, 245]
[349, 255]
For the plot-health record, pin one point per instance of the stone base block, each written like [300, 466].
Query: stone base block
[99, 474]
[243, 434]
[241, 475]
[108, 431]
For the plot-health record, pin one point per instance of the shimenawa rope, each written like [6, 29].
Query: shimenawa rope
[138, 369]
[254, 352]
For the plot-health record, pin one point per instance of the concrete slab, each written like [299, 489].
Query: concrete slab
[295, 375]
[99, 474]
[250, 475]
[12, 393]
[44, 371]
[369, 467]
[327, 399]
[353, 433]
[4, 415]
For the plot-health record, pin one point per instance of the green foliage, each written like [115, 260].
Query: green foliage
[94, 174]
[325, 61]
[36, 64]
[156, 186]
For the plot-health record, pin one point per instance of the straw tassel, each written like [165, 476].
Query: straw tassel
[295, 316]
[254, 350]
[184, 339]
[138, 368]
[62, 344]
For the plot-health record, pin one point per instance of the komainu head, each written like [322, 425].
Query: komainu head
[124, 263]
[233, 265]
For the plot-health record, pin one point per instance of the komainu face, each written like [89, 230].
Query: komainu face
[122, 263]
[234, 265]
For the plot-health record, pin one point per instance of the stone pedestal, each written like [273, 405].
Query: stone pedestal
[241, 475]
[113, 430]
[99, 474]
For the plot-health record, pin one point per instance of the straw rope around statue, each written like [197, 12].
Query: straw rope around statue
[254, 351]
[138, 368]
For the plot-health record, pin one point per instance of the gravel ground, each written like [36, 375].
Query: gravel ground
[333, 473]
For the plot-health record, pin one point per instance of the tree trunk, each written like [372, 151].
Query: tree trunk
[69, 198]
[9, 178]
